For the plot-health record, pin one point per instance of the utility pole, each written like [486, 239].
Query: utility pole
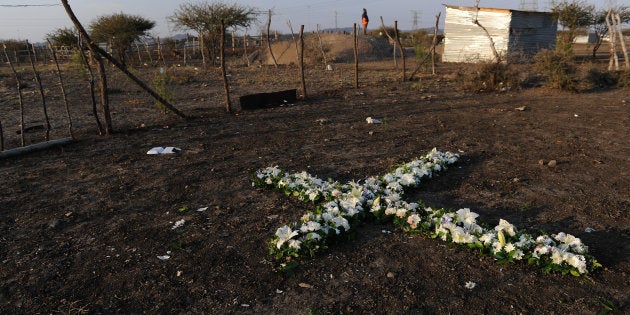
[415, 19]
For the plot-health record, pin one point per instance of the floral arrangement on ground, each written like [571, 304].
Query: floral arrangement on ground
[338, 207]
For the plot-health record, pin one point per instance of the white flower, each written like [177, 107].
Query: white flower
[488, 238]
[518, 254]
[284, 234]
[577, 261]
[505, 226]
[557, 256]
[295, 244]
[509, 247]
[466, 217]
[497, 247]
[310, 226]
[541, 250]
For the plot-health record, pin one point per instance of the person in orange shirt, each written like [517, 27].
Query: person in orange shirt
[364, 20]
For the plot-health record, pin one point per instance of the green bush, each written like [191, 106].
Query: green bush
[558, 68]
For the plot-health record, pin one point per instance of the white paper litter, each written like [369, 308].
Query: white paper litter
[178, 224]
[470, 285]
[164, 257]
[202, 209]
[161, 150]
[371, 120]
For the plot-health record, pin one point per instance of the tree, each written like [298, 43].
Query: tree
[599, 26]
[121, 30]
[63, 37]
[573, 15]
[205, 19]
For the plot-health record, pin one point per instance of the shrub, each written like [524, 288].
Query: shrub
[492, 76]
[557, 67]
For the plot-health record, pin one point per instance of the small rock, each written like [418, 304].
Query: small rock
[391, 275]
[522, 108]
[552, 163]
[541, 162]
[305, 285]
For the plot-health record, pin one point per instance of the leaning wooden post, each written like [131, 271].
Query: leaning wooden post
[63, 89]
[402, 51]
[356, 56]
[304, 96]
[19, 89]
[117, 63]
[38, 80]
[226, 87]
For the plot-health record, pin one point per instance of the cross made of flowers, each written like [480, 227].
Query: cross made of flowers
[340, 206]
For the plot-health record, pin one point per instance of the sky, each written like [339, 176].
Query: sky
[34, 22]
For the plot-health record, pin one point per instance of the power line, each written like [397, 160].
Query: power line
[27, 5]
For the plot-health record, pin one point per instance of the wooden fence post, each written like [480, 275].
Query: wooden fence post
[356, 56]
[226, 86]
[19, 89]
[38, 80]
[302, 62]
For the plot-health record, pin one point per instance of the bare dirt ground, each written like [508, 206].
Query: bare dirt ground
[83, 225]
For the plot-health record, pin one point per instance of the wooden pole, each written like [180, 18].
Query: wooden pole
[275, 62]
[19, 89]
[321, 45]
[38, 80]
[117, 63]
[63, 89]
[34, 147]
[226, 87]
[304, 96]
[391, 39]
[434, 42]
[613, 63]
[91, 86]
[622, 41]
[356, 56]
[402, 51]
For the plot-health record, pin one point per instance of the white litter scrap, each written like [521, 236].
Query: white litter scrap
[371, 120]
[166, 150]
[470, 285]
[164, 257]
[202, 209]
[178, 224]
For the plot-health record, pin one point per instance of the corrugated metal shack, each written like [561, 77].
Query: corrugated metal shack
[516, 34]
